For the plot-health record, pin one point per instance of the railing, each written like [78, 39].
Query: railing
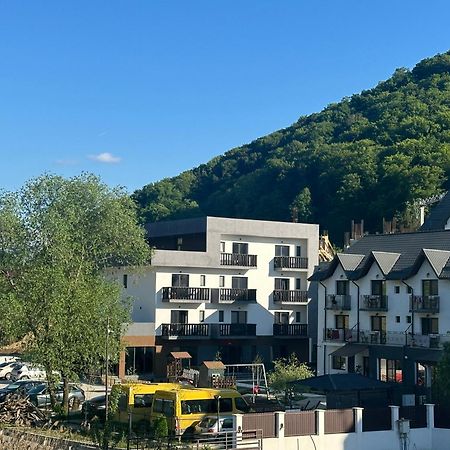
[424, 303]
[373, 303]
[188, 294]
[285, 296]
[185, 329]
[338, 302]
[290, 262]
[337, 334]
[290, 329]
[237, 295]
[237, 329]
[238, 259]
[400, 338]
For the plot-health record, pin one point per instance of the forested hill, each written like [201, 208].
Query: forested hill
[369, 156]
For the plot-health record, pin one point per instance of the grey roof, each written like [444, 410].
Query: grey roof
[340, 382]
[349, 261]
[438, 216]
[410, 247]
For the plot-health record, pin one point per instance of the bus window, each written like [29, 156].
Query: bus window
[241, 405]
[143, 400]
[226, 405]
[158, 406]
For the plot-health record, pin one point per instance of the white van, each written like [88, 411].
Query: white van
[8, 358]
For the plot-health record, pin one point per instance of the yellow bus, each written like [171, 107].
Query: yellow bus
[137, 399]
[185, 408]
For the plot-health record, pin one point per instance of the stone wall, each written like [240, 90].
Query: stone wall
[11, 439]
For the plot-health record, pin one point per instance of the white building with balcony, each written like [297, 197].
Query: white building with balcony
[383, 309]
[234, 287]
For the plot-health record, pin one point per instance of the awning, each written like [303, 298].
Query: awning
[180, 355]
[349, 350]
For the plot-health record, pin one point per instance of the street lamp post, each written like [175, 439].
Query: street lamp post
[218, 397]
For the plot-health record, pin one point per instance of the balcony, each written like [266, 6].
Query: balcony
[338, 302]
[237, 295]
[286, 296]
[237, 259]
[185, 294]
[185, 330]
[373, 303]
[424, 303]
[237, 329]
[290, 330]
[290, 262]
[337, 334]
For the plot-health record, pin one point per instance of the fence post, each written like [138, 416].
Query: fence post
[279, 424]
[395, 414]
[237, 428]
[320, 422]
[358, 419]
[430, 415]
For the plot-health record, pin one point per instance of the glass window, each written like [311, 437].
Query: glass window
[180, 280]
[202, 280]
[201, 317]
[240, 248]
[222, 281]
[430, 325]
[225, 405]
[397, 289]
[342, 321]
[239, 282]
[221, 316]
[241, 405]
[298, 251]
[281, 284]
[179, 316]
[378, 323]
[298, 316]
[125, 281]
[281, 250]
[238, 316]
[342, 287]
[222, 247]
[390, 370]
[143, 400]
[408, 319]
[282, 317]
[339, 362]
[397, 319]
[298, 284]
[430, 287]
[378, 287]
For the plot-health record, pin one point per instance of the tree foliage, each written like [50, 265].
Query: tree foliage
[286, 370]
[57, 238]
[368, 156]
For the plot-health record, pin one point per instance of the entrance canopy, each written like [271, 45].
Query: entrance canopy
[349, 350]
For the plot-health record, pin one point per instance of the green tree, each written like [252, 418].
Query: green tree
[57, 239]
[286, 370]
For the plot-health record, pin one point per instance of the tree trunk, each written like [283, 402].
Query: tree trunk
[65, 395]
[51, 386]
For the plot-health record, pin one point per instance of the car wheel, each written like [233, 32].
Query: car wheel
[25, 377]
[71, 402]
[8, 376]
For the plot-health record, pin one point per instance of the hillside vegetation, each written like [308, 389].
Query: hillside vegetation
[369, 156]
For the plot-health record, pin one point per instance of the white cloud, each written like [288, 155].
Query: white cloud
[105, 157]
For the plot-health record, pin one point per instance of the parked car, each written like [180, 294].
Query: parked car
[40, 395]
[8, 358]
[18, 388]
[95, 407]
[6, 369]
[26, 371]
[210, 424]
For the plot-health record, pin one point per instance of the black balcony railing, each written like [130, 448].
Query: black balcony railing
[339, 302]
[237, 259]
[237, 329]
[185, 329]
[373, 303]
[337, 334]
[285, 296]
[290, 329]
[237, 295]
[290, 262]
[194, 294]
[424, 303]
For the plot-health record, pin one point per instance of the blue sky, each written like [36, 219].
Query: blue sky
[139, 90]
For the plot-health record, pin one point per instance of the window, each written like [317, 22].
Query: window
[125, 281]
[221, 281]
[390, 370]
[238, 316]
[178, 316]
[202, 280]
[281, 284]
[341, 321]
[421, 375]
[298, 251]
[409, 289]
[207, 406]
[221, 316]
[298, 284]
[222, 247]
[143, 400]
[180, 280]
[241, 405]
[378, 323]
[282, 318]
[397, 319]
[298, 316]
[240, 248]
[201, 317]
[430, 325]
[239, 282]
[338, 362]
[342, 287]
[378, 287]
[281, 250]
[164, 407]
[397, 289]
[408, 319]
[430, 287]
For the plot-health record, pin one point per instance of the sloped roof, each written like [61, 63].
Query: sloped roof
[349, 261]
[386, 260]
[340, 382]
[439, 215]
[437, 258]
[214, 364]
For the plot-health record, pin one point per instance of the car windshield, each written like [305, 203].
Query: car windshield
[13, 386]
[39, 389]
[4, 364]
[208, 422]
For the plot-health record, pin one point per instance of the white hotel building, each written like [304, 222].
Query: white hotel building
[217, 285]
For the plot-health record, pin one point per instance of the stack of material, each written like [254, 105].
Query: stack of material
[20, 412]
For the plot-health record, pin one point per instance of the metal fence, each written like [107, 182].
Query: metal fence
[376, 419]
[300, 423]
[265, 422]
[339, 421]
